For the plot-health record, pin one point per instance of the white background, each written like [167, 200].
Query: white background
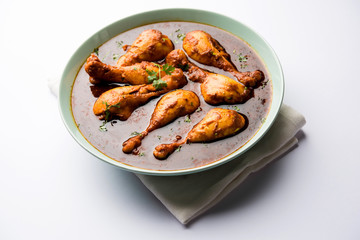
[53, 189]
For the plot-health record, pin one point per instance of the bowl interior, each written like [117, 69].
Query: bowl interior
[252, 38]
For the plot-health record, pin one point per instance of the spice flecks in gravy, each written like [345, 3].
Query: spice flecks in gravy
[189, 155]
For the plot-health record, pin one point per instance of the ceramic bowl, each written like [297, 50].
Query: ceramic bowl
[191, 15]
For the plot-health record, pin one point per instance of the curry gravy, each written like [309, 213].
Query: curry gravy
[109, 142]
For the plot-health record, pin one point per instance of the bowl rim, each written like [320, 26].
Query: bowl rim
[169, 14]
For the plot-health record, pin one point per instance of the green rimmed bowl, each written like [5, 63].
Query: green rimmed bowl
[256, 42]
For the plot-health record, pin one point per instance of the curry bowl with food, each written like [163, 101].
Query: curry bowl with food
[170, 92]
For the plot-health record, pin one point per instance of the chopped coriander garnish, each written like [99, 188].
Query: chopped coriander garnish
[141, 154]
[115, 56]
[178, 30]
[236, 108]
[199, 109]
[135, 68]
[159, 84]
[168, 69]
[155, 77]
[103, 127]
[263, 120]
[181, 36]
[242, 58]
[152, 75]
[187, 119]
[96, 51]
[263, 85]
[159, 137]
[178, 149]
[107, 115]
[119, 44]
[135, 133]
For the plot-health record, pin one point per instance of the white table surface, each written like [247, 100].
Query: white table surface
[53, 189]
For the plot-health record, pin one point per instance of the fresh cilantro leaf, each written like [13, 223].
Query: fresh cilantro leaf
[107, 115]
[116, 105]
[263, 85]
[115, 56]
[119, 44]
[155, 77]
[152, 75]
[103, 127]
[168, 69]
[159, 84]
[242, 58]
[243, 66]
[181, 36]
[135, 133]
[157, 65]
[236, 108]
[96, 51]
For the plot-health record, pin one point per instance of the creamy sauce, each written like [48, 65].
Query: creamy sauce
[110, 142]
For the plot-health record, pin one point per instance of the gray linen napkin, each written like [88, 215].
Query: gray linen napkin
[188, 196]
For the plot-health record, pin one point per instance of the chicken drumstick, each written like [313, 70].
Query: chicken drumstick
[218, 123]
[134, 74]
[151, 45]
[215, 88]
[171, 106]
[204, 49]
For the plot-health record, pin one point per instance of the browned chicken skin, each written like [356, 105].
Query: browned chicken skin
[171, 106]
[122, 101]
[151, 45]
[204, 49]
[215, 88]
[135, 74]
[217, 124]
[219, 89]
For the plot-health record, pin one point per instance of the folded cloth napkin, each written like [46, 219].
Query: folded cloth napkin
[188, 196]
